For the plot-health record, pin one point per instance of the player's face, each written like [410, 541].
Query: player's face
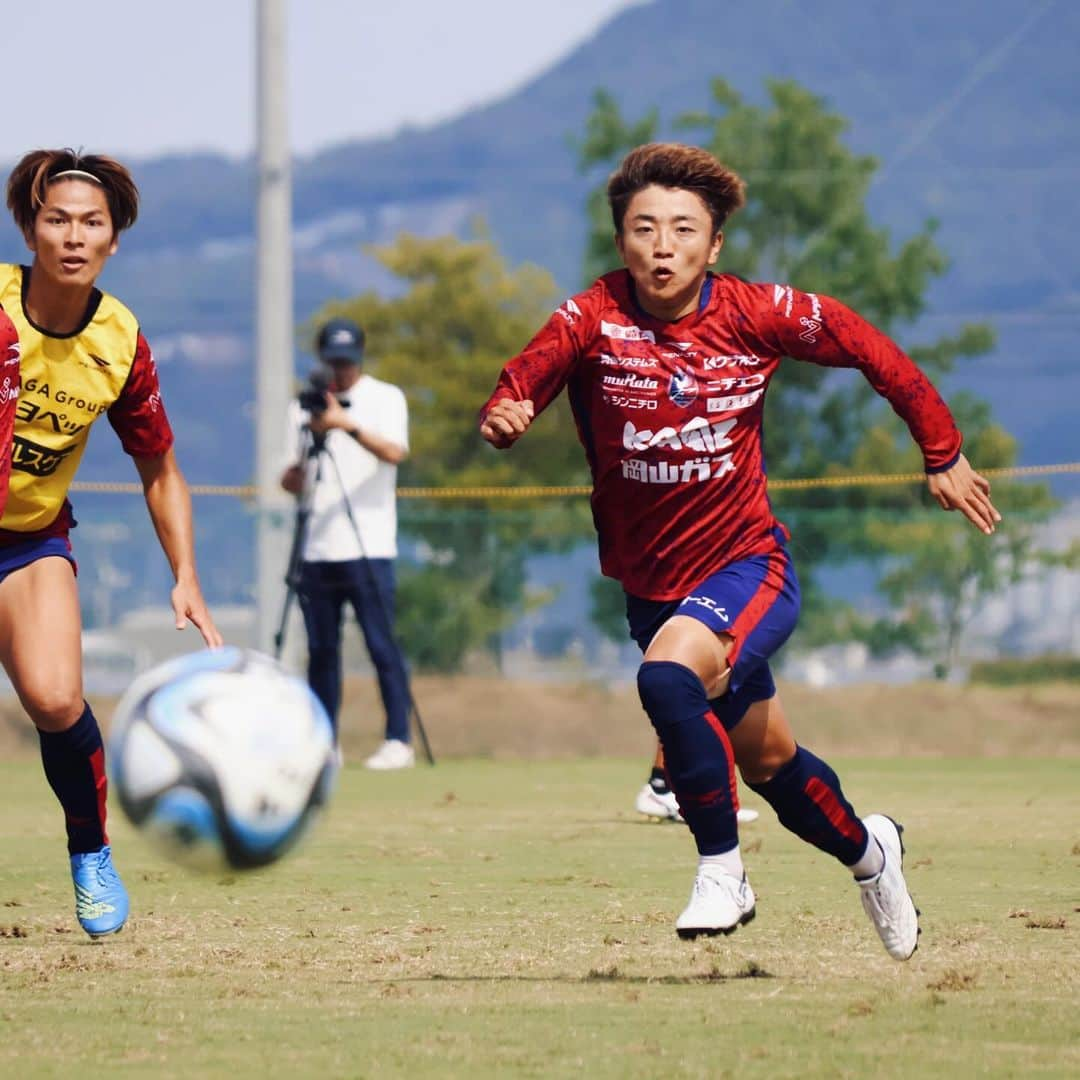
[73, 233]
[667, 243]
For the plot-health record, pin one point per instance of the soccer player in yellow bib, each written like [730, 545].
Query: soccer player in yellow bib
[83, 356]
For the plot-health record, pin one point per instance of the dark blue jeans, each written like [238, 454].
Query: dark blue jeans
[368, 586]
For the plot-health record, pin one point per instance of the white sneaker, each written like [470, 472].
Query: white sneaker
[885, 896]
[653, 804]
[719, 904]
[393, 754]
[665, 806]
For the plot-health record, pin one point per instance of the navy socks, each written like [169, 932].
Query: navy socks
[74, 763]
[697, 753]
[807, 798]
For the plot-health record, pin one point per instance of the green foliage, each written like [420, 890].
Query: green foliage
[806, 222]
[461, 315]
[1021, 672]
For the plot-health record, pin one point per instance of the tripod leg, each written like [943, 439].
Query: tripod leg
[420, 727]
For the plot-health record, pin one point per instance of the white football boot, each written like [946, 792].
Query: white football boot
[393, 754]
[885, 896]
[719, 904]
[657, 804]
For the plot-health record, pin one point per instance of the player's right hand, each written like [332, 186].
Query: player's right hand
[292, 479]
[506, 422]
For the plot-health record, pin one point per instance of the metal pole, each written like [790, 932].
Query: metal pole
[273, 313]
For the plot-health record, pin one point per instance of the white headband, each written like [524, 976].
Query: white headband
[80, 174]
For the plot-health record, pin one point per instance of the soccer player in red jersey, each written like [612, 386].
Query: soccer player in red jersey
[666, 366]
[83, 356]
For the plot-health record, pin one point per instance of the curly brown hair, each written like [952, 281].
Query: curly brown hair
[31, 177]
[676, 165]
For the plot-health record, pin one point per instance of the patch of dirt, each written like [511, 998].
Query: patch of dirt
[481, 716]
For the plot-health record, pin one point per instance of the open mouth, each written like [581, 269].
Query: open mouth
[662, 276]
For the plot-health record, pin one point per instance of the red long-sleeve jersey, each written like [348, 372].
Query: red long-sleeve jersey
[669, 414]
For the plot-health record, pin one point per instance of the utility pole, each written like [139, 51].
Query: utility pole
[273, 314]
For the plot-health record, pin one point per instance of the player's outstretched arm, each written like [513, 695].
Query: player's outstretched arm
[506, 421]
[962, 488]
[169, 502]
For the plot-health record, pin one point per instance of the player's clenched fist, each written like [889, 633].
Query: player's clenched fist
[506, 422]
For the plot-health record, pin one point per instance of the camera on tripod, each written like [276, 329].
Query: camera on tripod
[312, 396]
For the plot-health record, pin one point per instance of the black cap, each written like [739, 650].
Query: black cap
[341, 339]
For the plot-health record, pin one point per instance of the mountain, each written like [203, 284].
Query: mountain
[970, 107]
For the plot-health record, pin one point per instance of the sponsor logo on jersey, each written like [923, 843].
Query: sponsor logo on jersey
[630, 381]
[707, 602]
[732, 403]
[783, 297]
[618, 332]
[735, 382]
[690, 471]
[813, 324]
[642, 363]
[29, 457]
[700, 435]
[14, 352]
[625, 401]
[7, 391]
[683, 388]
[736, 360]
[569, 311]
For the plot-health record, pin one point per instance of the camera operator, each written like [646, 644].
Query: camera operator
[353, 430]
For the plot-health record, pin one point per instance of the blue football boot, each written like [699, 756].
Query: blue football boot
[101, 901]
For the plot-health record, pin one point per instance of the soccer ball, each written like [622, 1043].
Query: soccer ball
[222, 758]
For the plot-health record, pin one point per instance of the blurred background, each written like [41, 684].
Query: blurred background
[919, 162]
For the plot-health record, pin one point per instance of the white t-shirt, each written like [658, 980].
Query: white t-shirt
[369, 483]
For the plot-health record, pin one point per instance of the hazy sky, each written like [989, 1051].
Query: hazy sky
[138, 77]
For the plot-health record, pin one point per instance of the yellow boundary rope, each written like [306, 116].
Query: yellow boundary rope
[249, 491]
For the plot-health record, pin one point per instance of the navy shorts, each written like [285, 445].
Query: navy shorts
[16, 556]
[755, 601]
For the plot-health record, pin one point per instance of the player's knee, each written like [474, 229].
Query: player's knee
[670, 693]
[763, 768]
[53, 708]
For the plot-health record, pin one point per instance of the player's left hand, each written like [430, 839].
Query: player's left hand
[188, 603]
[962, 488]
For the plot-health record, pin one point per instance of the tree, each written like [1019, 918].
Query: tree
[460, 315]
[806, 222]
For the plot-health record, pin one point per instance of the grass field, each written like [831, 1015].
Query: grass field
[516, 919]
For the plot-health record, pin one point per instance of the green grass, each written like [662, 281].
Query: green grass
[516, 919]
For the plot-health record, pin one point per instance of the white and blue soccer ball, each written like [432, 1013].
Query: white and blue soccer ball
[221, 758]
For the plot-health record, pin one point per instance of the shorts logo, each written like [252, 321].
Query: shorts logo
[707, 602]
[683, 388]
